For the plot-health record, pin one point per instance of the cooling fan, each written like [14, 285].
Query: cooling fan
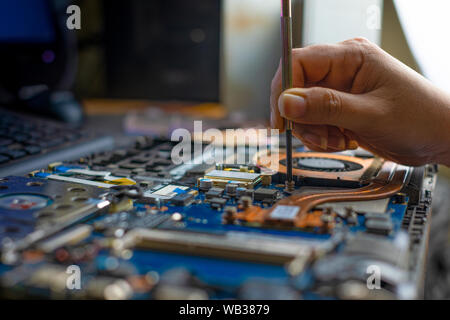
[322, 169]
[324, 164]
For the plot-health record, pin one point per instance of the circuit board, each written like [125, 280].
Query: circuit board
[130, 224]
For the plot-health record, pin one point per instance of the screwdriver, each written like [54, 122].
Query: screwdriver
[286, 63]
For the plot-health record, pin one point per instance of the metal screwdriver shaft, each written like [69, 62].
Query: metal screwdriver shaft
[286, 62]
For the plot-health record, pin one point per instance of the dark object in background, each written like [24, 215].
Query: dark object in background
[61, 105]
[38, 57]
[162, 49]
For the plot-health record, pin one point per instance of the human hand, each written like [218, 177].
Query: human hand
[355, 94]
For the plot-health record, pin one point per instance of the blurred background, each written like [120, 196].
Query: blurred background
[210, 50]
[221, 52]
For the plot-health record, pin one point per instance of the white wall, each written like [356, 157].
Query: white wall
[251, 49]
[331, 21]
[426, 25]
[251, 44]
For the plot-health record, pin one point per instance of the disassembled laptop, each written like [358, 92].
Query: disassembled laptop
[138, 226]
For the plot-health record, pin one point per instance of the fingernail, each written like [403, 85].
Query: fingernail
[353, 145]
[292, 106]
[337, 143]
[312, 138]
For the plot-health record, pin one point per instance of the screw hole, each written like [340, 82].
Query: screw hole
[80, 199]
[34, 184]
[63, 207]
[11, 229]
[77, 189]
[45, 214]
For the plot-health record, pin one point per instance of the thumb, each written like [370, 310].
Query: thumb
[326, 106]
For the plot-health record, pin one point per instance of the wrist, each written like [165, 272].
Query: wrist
[443, 124]
[444, 159]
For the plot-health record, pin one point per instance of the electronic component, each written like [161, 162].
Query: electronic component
[266, 195]
[340, 268]
[229, 215]
[75, 174]
[379, 226]
[246, 202]
[232, 245]
[217, 203]
[244, 179]
[266, 179]
[205, 184]
[69, 237]
[240, 192]
[364, 207]
[200, 170]
[378, 223]
[183, 199]
[284, 213]
[134, 216]
[360, 253]
[214, 193]
[231, 189]
[127, 221]
[379, 248]
[249, 193]
[166, 192]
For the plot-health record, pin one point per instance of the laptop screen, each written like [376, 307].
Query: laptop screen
[26, 21]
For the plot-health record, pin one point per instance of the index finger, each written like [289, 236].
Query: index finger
[331, 66]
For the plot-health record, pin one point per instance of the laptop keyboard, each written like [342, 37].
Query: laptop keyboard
[22, 136]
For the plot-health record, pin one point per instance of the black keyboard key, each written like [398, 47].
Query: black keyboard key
[118, 155]
[47, 143]
[55, 142]
[27, 126]
[21, 137]
[14, 130]
[5, 142]
[14, 154]
[35, 135]
[32, 149]
[24, 137]
[72, 137]
[100, 161]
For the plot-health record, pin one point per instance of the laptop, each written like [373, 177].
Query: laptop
[38, 63]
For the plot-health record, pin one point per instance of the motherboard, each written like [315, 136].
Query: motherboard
[131, 224]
